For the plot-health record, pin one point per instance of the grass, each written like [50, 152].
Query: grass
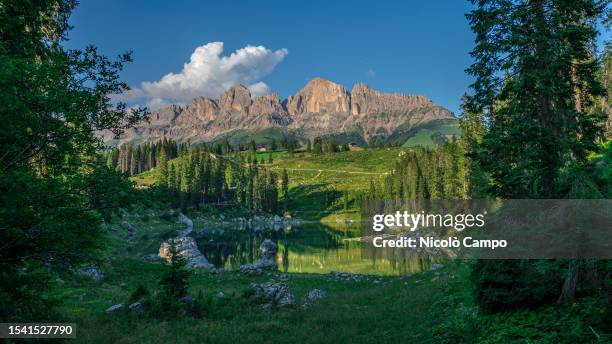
[317, 182]
[144, 179]
[423, 136]
[314, 177]
[392, 309]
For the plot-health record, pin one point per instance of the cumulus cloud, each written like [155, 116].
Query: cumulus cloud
[209, 73]
[259, 89]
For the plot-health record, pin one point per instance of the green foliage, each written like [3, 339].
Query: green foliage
[52, 187]
[108, 191]
[431, 173]
[535, 81]
[509, 284]
[584, 322]
[199, 176]
[134, 159]
[140, 293]
[176, 279]
[531, 123]
[23, 294]
[200, 306]
[601, 164]
[174, 283]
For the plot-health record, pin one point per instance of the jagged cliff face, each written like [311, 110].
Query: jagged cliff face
[319, 96]
[320, 108]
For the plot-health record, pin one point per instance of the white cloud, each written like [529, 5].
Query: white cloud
[157, 103]
[259, 89]
[208, 73]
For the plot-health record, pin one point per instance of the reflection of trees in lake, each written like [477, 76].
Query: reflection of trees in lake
[312, 248]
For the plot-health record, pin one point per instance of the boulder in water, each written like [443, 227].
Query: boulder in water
[135, 306]
[436, 266]
[268, 251]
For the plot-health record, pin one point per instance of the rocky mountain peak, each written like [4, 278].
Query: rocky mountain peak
[366, 100]
[360, 87]
[320, 96]
[321, 108]
[237, 98]
[270, 103]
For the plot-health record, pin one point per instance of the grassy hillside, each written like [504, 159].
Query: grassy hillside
[420, 134]
[423, 135]
[313, 178]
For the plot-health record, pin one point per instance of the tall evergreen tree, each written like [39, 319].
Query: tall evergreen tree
[535, 82]
[162, 169]
[285, 188]
[54, 99]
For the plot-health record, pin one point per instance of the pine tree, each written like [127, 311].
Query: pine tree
[162, 170]
[285, 188]
[535, 80]
[534, 84]
[53, 187]
[175, 280]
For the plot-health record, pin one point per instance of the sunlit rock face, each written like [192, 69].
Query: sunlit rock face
[320, 96]
[321, 108]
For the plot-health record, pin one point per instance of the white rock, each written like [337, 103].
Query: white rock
[135, 306]
[92, 272]
[115, 308]
[188, 249]
[277, 294]
[316, 294]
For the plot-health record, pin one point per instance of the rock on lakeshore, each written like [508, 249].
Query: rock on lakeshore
[187, 248]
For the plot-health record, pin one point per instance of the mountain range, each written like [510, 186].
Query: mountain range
[322, 108]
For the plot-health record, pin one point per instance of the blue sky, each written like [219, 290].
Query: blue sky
[417, 47]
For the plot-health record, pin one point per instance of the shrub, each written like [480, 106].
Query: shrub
[512, 284]
[140, 293]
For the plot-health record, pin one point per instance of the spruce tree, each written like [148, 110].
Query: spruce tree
[285, 188]
[53, 189]
[175, 280]
[162, 170]
[535, 82]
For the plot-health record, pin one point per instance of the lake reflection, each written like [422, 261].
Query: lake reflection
[309, 248]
